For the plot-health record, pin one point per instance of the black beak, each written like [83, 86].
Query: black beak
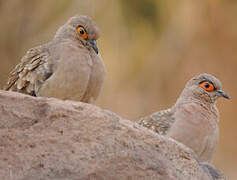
[93, 44]
[223, 94]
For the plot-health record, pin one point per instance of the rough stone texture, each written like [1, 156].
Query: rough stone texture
[50, 139]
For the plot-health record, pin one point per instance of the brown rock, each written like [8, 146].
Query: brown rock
[50, 139]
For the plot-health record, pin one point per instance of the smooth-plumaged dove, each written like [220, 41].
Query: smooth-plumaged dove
[193, 120]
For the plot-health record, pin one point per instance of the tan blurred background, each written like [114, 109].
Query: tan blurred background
[150, 48]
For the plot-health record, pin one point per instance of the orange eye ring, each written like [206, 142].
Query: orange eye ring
[207, 86]
[82, 32]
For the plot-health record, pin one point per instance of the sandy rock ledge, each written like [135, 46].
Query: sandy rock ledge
[50, 139]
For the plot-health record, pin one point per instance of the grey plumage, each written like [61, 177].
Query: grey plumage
[213, 172]
[68, 67]
[194, 117]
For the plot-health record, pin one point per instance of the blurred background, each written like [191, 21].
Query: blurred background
[151, 49]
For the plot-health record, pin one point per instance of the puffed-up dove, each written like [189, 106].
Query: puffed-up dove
[68, 67]
[193, 119]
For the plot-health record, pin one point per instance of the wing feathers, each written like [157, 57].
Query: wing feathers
[31, 72]
[160, 122]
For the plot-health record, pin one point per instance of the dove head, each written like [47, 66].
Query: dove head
[82, 29]
[204, 88]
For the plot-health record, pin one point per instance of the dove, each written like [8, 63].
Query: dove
[69, 67]
[193, 119]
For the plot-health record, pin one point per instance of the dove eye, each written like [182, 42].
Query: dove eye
[207, 86]
[82, 32]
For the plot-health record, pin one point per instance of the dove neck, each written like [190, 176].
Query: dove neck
[210, 108]
[188, 96]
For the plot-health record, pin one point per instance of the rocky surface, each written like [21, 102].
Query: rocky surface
[50, 139]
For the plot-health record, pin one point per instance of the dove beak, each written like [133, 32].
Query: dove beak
[93, 44]
[223, 94]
